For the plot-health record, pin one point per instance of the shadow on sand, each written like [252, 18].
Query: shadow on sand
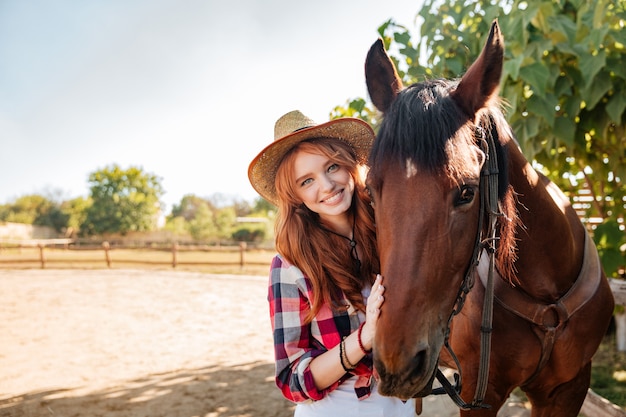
[215, 391]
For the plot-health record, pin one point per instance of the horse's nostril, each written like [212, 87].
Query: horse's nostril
[416, 365]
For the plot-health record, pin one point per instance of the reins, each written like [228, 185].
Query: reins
[488, 208]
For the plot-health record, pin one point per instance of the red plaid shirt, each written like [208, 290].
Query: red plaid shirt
[297, 343]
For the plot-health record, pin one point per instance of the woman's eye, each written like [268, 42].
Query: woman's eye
[306, 182]
[466, 195]
[333, 168]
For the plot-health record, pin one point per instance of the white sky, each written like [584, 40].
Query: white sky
[188, 90]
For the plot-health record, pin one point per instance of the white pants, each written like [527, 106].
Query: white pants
[344, 402]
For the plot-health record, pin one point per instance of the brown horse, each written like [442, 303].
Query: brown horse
[455, 199]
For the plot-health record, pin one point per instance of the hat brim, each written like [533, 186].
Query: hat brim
[262, 170]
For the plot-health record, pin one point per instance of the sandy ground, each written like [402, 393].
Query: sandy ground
[129, 343]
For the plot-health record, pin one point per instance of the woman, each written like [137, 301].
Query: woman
[324, 291]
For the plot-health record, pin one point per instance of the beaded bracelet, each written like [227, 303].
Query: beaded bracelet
[344, 356]
[341, 348]
[365, 351]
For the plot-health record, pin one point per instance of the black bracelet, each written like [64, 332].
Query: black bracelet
[341, 354]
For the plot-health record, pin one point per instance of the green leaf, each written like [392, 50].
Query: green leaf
[567, 49]
[591, 64]
[598, 88]
[562, 87]
[403, 38]
[544, 107]
[515, 30]
[571, 106]
[609, 238]
[562, 28]
[511, 95]
[512, 66]
[598, 12]
[538, 47]
[525, 129]
[596, 37]
[615, 106]
[536, 75]
[565, 129]
[456, 64]
[617, 66]
[541, 19]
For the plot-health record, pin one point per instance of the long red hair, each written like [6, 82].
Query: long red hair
[302, 241]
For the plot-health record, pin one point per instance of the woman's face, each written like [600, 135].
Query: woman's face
[323, 186]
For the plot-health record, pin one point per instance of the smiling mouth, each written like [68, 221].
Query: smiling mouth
[332, 199]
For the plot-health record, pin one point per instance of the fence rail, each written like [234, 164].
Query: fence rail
[55, 252]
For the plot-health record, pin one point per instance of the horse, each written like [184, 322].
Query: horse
[476, 246]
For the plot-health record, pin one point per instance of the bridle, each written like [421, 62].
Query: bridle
[485, 240]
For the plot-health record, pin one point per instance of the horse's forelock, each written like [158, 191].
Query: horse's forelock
[418, 126]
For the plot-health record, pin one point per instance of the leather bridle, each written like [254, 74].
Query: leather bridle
[485, 240]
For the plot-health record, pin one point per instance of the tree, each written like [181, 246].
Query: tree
[188, 207]
[122, 201]
[262, 206]
[202, 225]
[225, 221]
[76, 212]
[564, 80]
[37, 210]
[207, 219]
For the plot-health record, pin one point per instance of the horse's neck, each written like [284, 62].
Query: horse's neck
[550, 237]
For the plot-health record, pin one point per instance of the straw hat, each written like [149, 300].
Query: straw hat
[293, 128]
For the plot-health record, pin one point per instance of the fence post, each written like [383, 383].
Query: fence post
[174, 253]
[107, 257]
[42, 258]
[242, 252]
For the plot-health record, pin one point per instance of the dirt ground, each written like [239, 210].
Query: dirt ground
[130, 343]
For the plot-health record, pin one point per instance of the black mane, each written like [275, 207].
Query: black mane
[417, 126]
[421, 121]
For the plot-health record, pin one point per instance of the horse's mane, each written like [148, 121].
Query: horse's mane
[426, 126]
[417, 125]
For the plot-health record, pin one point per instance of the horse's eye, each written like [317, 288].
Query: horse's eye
[466, 195]
[369, 193]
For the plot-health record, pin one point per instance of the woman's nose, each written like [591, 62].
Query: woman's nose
[327, 183]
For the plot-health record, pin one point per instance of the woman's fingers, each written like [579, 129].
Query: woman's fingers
[374, 303]
[376, 298]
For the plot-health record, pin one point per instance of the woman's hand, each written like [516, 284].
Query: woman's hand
[374, 301]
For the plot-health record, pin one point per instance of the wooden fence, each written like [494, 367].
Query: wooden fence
[46, 253]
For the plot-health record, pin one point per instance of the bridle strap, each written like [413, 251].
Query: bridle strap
[490, 244]
[488, 205]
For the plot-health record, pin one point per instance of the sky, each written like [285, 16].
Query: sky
[186, 90]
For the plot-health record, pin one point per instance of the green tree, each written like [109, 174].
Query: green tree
[202, 225]
[37, 210]
[76, 212]
[242, 207]
[122, 201]
[226, 221]
[564, 81]
[262, 206]
[207, 219]
[176, 225]
[188, 207]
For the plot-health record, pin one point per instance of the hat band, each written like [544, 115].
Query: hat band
[301, 128]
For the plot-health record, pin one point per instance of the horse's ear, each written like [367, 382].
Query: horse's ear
[383, 81]
[482, 79]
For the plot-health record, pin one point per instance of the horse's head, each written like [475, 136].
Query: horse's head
[424, 181]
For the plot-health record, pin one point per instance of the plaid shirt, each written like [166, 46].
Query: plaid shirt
[297, 343]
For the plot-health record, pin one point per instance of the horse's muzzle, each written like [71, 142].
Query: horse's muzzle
[412, 381]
